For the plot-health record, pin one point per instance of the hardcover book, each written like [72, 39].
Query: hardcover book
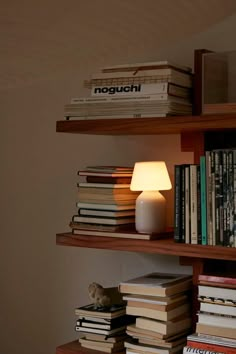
[157, 284]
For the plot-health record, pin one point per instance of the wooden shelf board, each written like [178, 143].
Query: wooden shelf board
[161, 246]
[142, 126]
[75, 348]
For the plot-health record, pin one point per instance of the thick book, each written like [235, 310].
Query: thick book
[90, 310]
[112, 324]
[134, 67]
[165, 327]
[104, 185]
[104, 174]
[107, 213]
[157, 284]
[155, 307]
[103, 206]
[158, 302]
[169, 343]
[106, 192]
[107, 332]
[216, 330]
[105, 339]
[209, 339]
[158, 314]
[108, 180]
[139, 89]
[119, 233]
[217, 292]
[109, 168]
[194, 350]
[103, 220]
[134, 347]
[92, 229]
[225, 321]
[100, 345]
[202, 347]
[217, 278]
[203, 199]
[137, 332]
[218, 309]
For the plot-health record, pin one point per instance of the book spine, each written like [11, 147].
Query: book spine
[213, 198]
[177, 205]
[209, 198]
[218, 197]
[197, 350]
[203, 199]
[193, 204]
[182, 198]
[199, 233]
[187, 206]
[234, 197]
[225, 182]
[211, 347]
[230, 200]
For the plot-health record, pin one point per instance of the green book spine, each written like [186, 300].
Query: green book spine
[203, 199]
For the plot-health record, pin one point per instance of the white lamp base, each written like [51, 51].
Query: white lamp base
[150, 212]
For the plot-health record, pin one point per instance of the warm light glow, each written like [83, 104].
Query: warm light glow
[150, 176]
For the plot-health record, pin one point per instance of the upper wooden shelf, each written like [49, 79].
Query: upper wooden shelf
[161, 246]
[141, 126]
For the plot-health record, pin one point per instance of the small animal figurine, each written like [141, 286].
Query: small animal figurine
[98, 295]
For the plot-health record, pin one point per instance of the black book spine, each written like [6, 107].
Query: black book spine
[177, 204]
[199, 218]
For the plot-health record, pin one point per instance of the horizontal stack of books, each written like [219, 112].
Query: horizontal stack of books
[216, 326]
[205, 200]
[160, 305]
[105, 201]
[155, 89]
[102, 329]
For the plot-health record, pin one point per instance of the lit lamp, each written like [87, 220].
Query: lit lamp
[150, 177]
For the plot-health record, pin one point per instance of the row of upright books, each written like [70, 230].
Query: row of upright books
[205, 200]
[153, 89]
[216, 326]
[154, 317]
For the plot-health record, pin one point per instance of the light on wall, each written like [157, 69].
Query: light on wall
[150, 177]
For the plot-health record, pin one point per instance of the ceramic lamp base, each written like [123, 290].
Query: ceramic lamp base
[150, 214]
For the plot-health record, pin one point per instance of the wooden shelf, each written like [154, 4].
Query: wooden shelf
[75, 348]
[162, 246]
[141, 126]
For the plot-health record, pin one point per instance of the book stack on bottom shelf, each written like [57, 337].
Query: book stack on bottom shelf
[216, 326]
[102, 329]
[105, 201]
[160, 305]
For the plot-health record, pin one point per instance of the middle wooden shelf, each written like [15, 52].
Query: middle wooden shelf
[160, 246]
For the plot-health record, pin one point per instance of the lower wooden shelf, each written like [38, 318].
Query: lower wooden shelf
[75, 348]
[161, 246]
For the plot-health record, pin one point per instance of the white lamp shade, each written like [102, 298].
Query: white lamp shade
[150, 176]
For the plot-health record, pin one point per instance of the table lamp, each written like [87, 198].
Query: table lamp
[150, 177]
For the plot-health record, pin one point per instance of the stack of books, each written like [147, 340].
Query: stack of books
[155, 89]
[105, 201]
[216, 326]
[102, 329]
[160, 305]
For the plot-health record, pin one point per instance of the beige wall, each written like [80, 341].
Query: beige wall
[42, 283]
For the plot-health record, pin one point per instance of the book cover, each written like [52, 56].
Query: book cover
[108, 313]
[178, 237]
[157, 284]
[193, 204]
[209, 348]
[189, 349]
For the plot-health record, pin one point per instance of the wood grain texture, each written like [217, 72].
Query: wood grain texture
[162, 246]
[147, 126]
